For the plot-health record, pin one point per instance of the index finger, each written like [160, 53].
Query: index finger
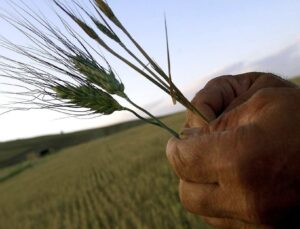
[217, 94]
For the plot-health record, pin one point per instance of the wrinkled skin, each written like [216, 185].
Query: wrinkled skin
[242, 170]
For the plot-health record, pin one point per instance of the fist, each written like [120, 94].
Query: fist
[227, 92]
[242, 170]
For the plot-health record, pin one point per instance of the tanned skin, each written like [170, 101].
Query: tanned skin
[242, 170]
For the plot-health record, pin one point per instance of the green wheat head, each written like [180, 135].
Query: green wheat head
[87, 96]
[99, 76]
[103, 28]
[104, 7]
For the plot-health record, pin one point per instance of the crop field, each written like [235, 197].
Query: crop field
[14, 152]
[119, 181]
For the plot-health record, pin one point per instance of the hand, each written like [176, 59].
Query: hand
[243, 169]
[227, 92]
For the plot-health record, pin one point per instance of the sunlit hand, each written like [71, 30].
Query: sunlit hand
[243, 169]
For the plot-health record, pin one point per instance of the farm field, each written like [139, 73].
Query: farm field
[119, 181]
[15, 152]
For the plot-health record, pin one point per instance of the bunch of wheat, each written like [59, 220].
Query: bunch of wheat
[65, 72]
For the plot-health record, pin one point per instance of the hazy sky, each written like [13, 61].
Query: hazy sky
[206, 37]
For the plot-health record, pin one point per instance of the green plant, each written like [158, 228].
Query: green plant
[67, 74]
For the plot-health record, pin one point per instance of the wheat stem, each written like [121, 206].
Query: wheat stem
[172, 87]
[160, 123]
[169, 64]
[155, 121]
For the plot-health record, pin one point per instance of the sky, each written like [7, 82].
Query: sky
[207, 38]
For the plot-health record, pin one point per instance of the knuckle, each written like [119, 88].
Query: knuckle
[276, 99]
[175, 156]
[181, 166]
[261, 98]
[218, 80]
[185, 197]
[188, 164]
[272, 80]
[194, 199]
[193, 120]
[171, 150]
[197, 100]
[189, 199]
[189, 116]
[269, 80]
[264, 93]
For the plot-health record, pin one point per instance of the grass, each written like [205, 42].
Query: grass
[10, 172]
[120, 181]
[14, 152]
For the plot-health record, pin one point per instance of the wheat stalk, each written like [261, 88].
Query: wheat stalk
[87, 86]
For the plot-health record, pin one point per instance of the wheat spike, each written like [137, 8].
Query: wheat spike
[103, 6]
[106, 30]
[99, 76]
[89, 97]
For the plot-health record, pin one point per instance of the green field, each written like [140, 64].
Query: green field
[14, 152]
[119, 181]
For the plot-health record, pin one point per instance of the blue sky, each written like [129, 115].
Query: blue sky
[206, 36]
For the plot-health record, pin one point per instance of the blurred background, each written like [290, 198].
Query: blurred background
[112, 172]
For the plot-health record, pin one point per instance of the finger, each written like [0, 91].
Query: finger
[204, 155]
[224, 93]
[201, 199]
[210, 100]
[214, 201]
[219, 92]
[243, 117]
[264, 80]
[217, 95]
[194, 158]
[195, 121]
[235, 120]
[227, 223]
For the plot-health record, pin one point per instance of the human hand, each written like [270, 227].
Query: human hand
[224, 93]
[242, 170]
